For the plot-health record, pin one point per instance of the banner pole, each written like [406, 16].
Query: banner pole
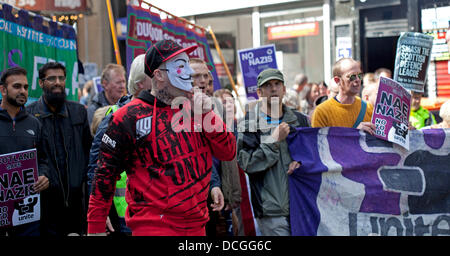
[225, 66]
[170, 14]
[113, 33]
[215, 43]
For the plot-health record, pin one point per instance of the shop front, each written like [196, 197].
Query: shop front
[296, 28]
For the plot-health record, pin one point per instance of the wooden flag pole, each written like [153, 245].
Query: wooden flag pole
[113, 33]
[225, 66]
[215, 43]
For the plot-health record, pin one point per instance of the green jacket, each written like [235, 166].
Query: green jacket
[421, 118]
[267, 163]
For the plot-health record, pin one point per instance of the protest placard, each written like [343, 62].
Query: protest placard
[19, 204]
[391, 112]
[252, 61]
[98, 87]
[412, 60]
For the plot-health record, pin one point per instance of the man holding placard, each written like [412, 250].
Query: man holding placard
[345, 109]
[19, 131]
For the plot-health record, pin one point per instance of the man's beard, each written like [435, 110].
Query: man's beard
[54, 99]
[15, 102]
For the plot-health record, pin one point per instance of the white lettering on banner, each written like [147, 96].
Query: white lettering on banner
[253, 61]
[145, 30]
[36, 36]
[260, 60]
[247, 56]
[5, 26]
[30, 34]
[38, 61]
[252, 89]
[21, 3]
[72, 4]
[405, 225]
[74, 78]
[412, 59]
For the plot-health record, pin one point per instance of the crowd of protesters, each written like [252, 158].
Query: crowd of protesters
[165, 154]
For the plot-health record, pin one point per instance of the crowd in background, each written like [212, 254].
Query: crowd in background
[245, 192]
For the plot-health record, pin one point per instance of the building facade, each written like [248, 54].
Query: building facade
[309, 35]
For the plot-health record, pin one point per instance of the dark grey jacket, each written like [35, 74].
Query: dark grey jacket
[98, 101]
[77, 142]
[22, 133]
[95, 148]
[266, 163]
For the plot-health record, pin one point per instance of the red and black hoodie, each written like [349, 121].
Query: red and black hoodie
[168, 172]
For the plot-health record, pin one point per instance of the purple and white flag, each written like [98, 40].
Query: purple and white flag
[351, 183]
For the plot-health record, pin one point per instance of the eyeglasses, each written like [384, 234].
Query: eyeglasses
[52, 79]
[352, 78]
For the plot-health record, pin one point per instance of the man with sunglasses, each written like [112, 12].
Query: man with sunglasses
[345, 109]
[67, 140]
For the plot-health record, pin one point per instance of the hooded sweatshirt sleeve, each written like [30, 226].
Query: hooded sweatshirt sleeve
[114, 146]
[221, 141]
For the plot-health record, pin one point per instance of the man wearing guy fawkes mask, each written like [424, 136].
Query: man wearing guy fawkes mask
[67, 141]
[168, 167]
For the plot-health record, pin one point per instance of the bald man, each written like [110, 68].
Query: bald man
[346, 109]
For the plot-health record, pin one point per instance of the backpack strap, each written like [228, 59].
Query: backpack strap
[362, 113]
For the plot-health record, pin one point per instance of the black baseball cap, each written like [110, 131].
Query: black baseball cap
[161, 52]
[269, 74]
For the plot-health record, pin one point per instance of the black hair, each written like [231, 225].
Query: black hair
[50, 65]
[11, 72]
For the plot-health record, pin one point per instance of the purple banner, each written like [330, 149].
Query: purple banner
[18, 203]
[146, 28]
[353, 184]
[391, 112]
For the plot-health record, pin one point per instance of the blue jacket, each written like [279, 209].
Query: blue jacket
[98, 101]
[95, 148]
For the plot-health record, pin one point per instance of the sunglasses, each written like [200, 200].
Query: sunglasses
[353, 77]
[52, 79]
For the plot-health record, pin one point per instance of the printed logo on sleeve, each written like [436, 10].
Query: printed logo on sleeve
[108, 141]
[143, 127]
